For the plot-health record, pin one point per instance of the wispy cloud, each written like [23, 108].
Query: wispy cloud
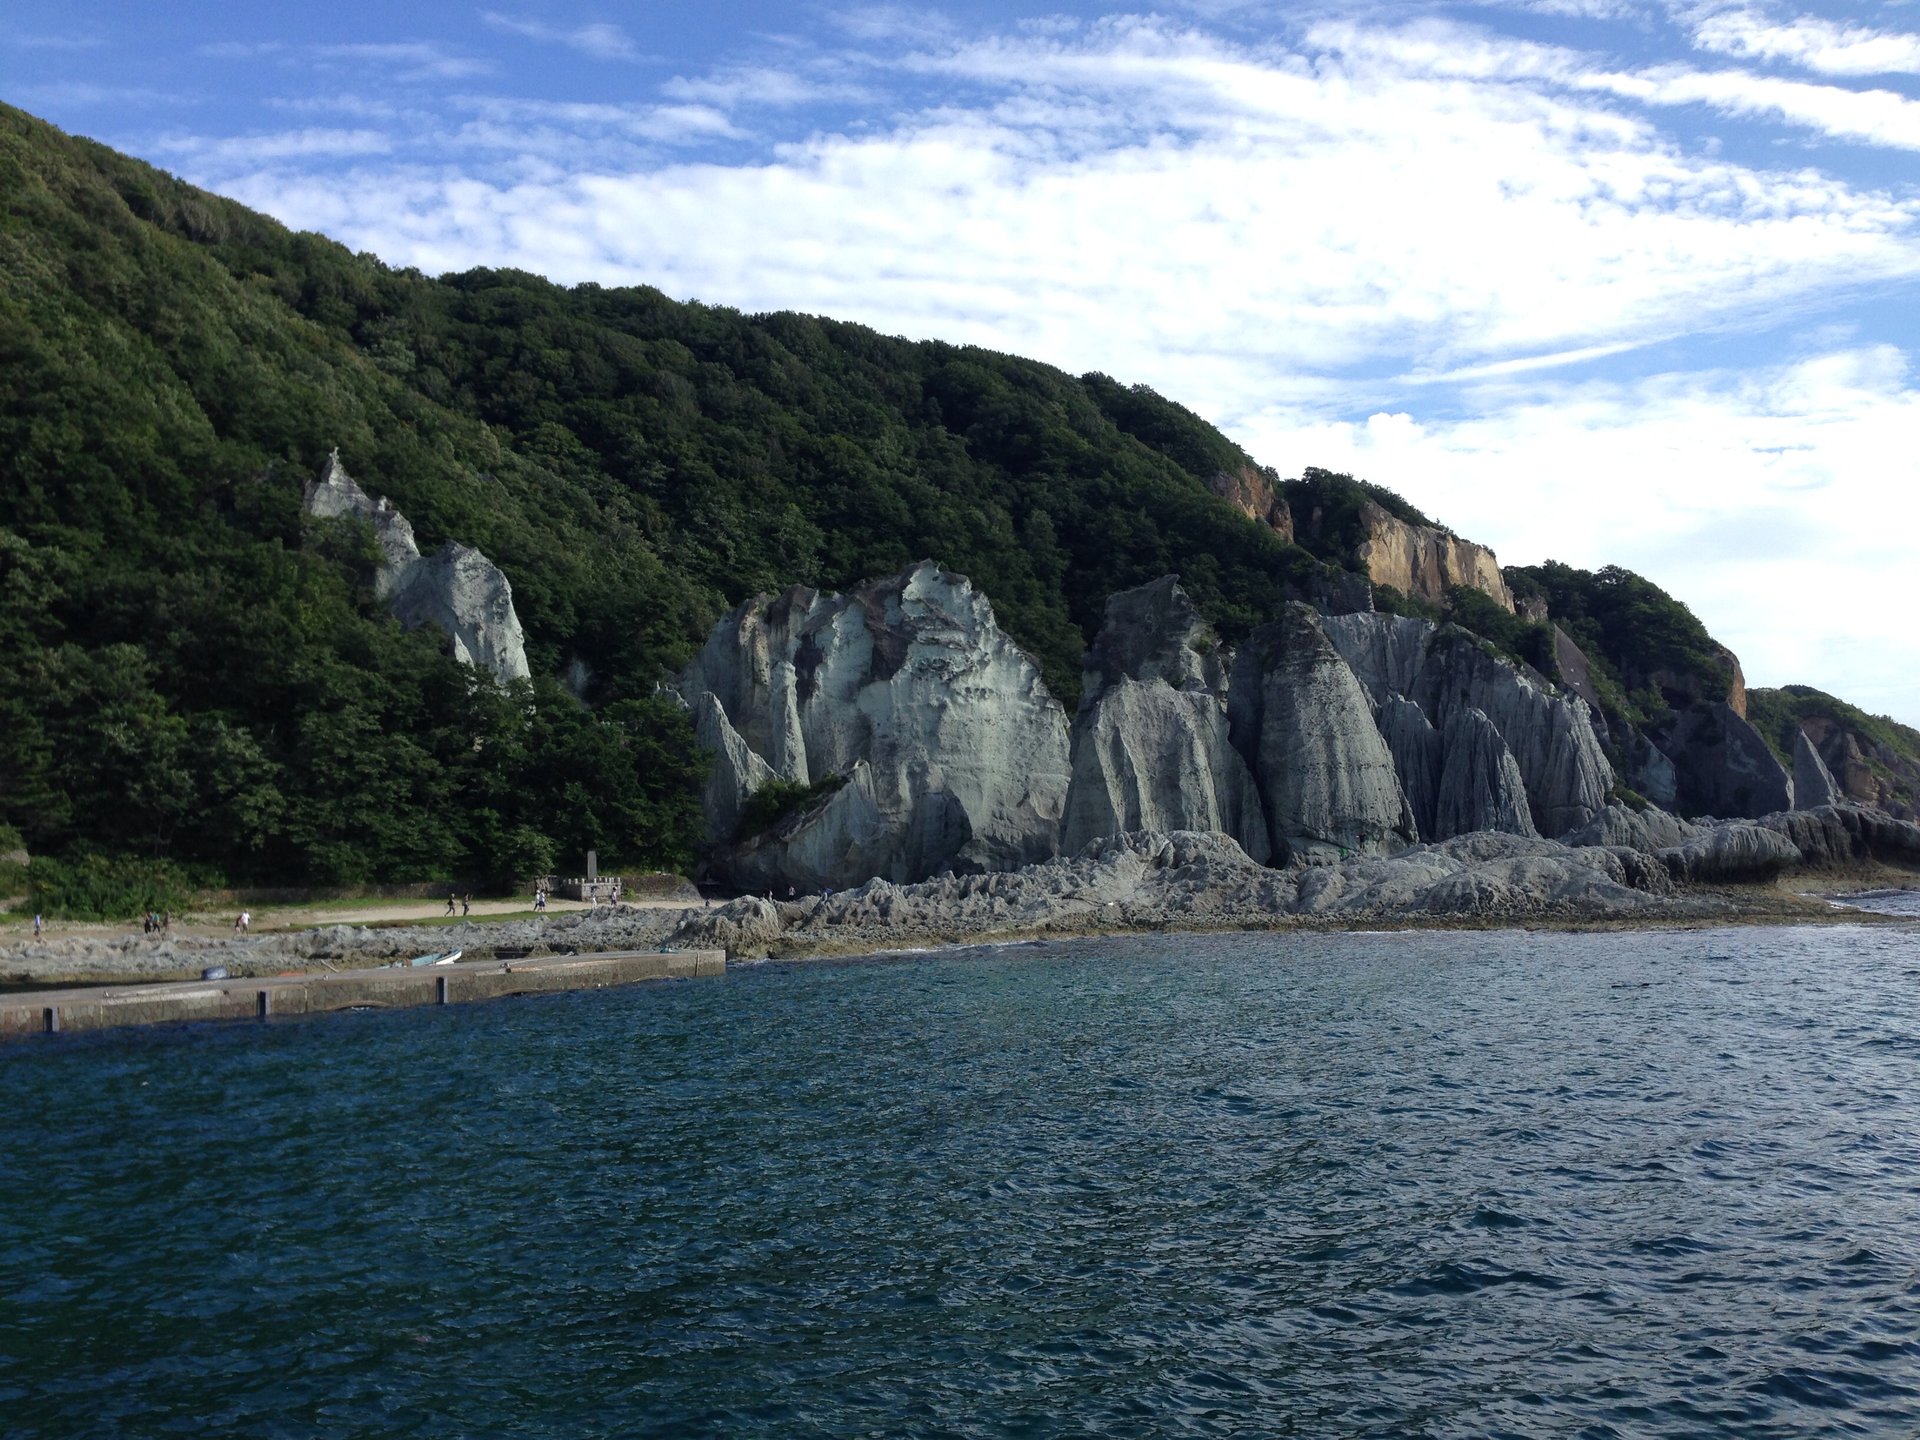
[406, 61]
[914, 24]
[412, 60]
[277, 145]
[1807, 41]
[24, 41]
[602, 41]
[81, 93]
[764, 86]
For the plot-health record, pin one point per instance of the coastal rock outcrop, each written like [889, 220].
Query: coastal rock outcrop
[949, 750]
[1644, 830]
[1813, 782]
[1722, 766]
[1305, 725]
[1154, 878]
[737, 772]
[1730, 853]
[1832, 836]
[1151, 742]
[457, 589]
[1480, 786]
[1442, 671]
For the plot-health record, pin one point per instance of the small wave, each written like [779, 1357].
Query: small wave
[1673, 1245]
[1485, 1219]
[1457, 1279]
[1828, 1389]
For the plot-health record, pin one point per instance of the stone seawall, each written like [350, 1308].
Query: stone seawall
[106, 1007]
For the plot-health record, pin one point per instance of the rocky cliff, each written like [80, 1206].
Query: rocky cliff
[456, 589]
[1442, 671]
[1424, 562]
[1251, 492]
[1306, 727]
[1152, 747]
[951, 753]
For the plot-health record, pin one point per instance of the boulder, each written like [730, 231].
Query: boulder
[1305, 726]
[953, 753]
[744, 928]
[1830, 836]
[1733, 852]
[1645, 831]
[1151, 746]
[456, 589]
[1813, 783]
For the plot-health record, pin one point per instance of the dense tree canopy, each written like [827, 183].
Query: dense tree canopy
[191, 669]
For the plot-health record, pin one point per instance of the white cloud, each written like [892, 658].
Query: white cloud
[1878, 117]
[914, 24]
[1809, 42]
[1431, 50]
[602, 41]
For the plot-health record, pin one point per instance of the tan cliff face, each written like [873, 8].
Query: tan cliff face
[1427, 563]
[1251, 493]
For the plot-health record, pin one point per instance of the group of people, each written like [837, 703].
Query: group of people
[464, 901]
[156, 923]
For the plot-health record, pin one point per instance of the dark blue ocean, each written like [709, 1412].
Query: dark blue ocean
[1654, 1184]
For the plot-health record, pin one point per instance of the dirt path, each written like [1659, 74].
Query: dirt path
[269, 919]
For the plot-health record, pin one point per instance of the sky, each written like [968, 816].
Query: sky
[1626, 282]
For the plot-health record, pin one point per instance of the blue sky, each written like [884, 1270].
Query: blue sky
[1597, 280]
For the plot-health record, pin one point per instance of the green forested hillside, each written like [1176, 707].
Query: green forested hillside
[192, 672]
[189, 669]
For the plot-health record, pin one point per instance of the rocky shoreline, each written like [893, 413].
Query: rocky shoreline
[1145, 880]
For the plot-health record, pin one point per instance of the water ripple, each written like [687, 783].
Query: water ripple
[1345, 1185]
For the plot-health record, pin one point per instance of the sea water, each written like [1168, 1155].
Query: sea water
[1392, 1185]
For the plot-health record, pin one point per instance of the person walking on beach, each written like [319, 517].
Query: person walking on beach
[36, 925]
[449, 902]
[466, 903]
[540, 898]
[242, 921]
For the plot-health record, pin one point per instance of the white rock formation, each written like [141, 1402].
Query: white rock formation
[457, 588]
[1442, 670]
[1813, 782]
[954, 755]
[1305, 725]
[1151, 743]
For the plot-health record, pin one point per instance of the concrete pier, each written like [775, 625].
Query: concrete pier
[98, 1007]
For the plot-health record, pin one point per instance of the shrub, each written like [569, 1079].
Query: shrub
[777, 799]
